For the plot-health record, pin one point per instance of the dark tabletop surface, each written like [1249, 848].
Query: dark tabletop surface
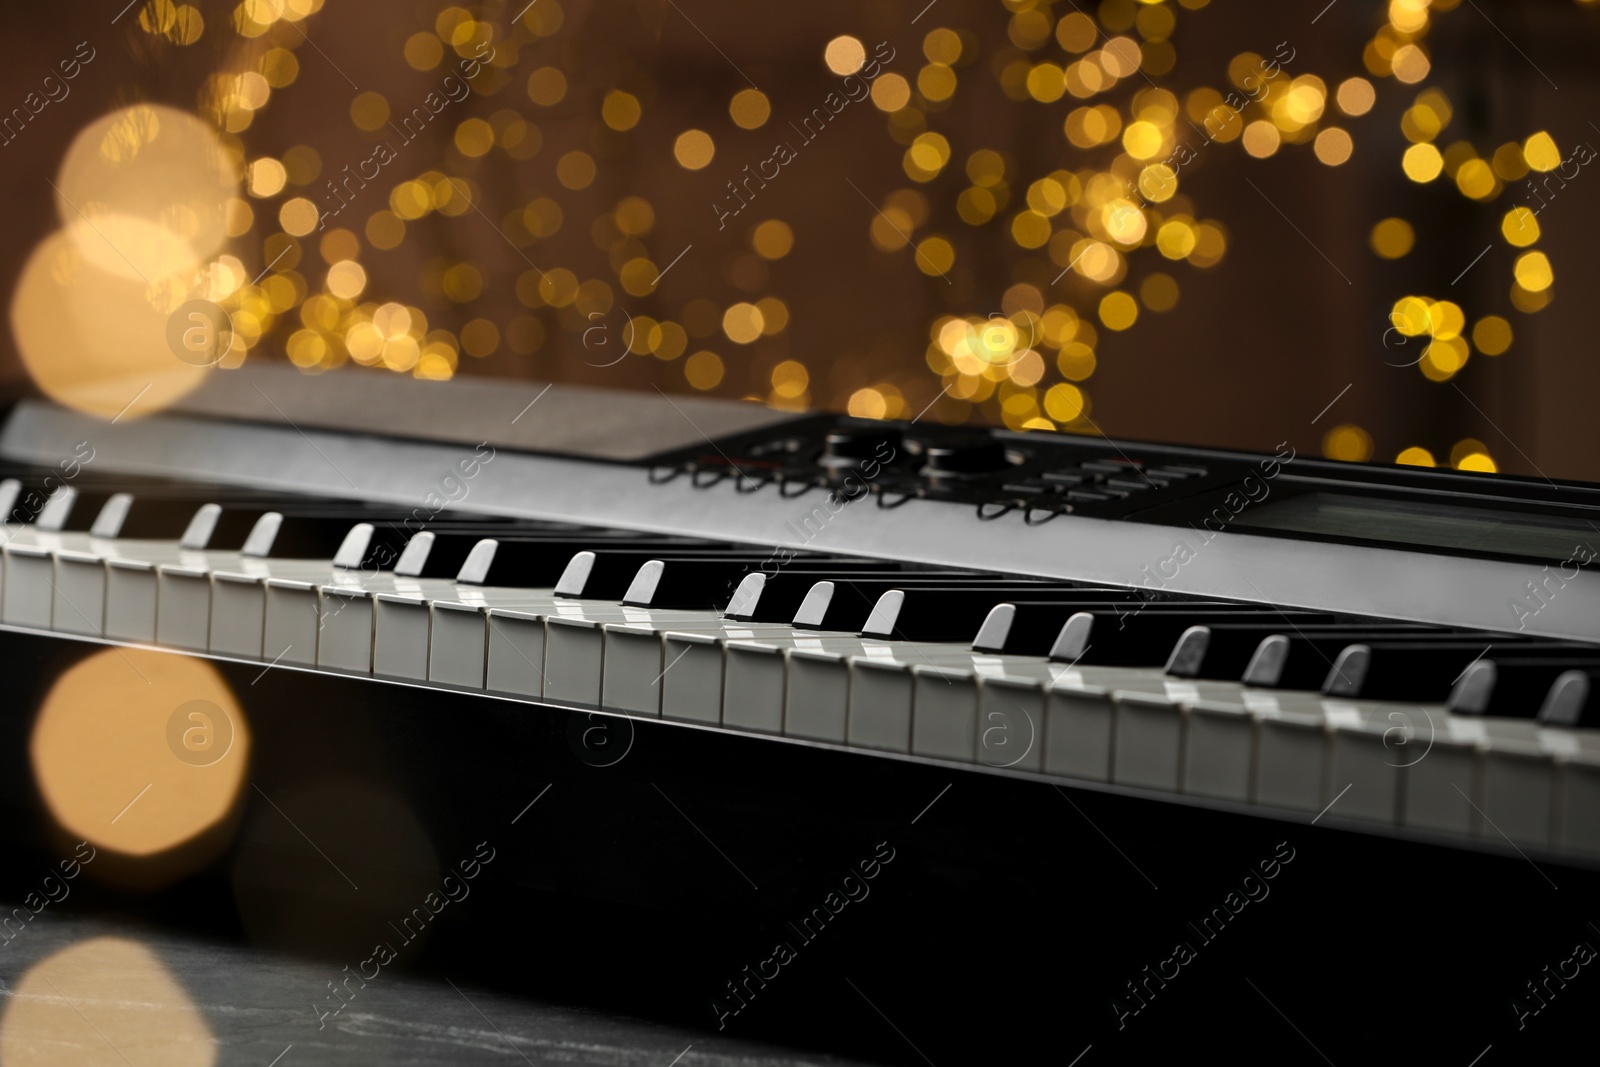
[91, 991]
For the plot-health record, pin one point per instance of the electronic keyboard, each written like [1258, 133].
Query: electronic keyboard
[1190, 638]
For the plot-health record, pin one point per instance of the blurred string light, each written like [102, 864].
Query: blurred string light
[1101, 235]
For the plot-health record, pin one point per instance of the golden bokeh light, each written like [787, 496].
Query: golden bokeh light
[1333, 146]
[844, 55]
[1347, 442]
[1491, 335]
[1415, 456]
[694, 149]
[94, 340]
[1533, 271]
[749, 109]
[1422, 163]
[138, 752]
[1356, 96]
[1392, 238]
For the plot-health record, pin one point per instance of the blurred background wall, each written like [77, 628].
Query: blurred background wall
[1364, 228]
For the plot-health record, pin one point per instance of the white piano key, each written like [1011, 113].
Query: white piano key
[944, 711]
[80, 593]
[1578, 790]
[1292, 759]
[345, 640]
[1080, 729]
[1149, 733]
[1441, 789]
[28, 595]
[754, 687]
[238, 614]
[400, 628]
[1367, 758]
[876, 691]
[632, 668]
[516, 652]
[458, 644]
[1010, 721]
[291, 621]
[1219, 751]
[1516, 797]
[574, 659]
[183, 611]
[131, 600]
[692, 690]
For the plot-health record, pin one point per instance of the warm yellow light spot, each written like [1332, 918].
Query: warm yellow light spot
[942, 46]
[1046, 83]
[620, 110]
[346, 279]
[1333, 146]
[1410, 64]
[936, 82]
[1541, 153]
[868, 404]
[547, 86]
[1415, 456]
[1411, 316]
[774, 315]
[772, 239]
[1305, 101]
[935, 255]
[790, 379]
[844, 55]
[1347, 442]
[1124, 222]
[1392, 238]
[1159, 292]
[298, 216]
[126, 723]
[1077, 32]
[480, 338]
[1356, 96]
[1175, 239]
[1029, 229]
[1261, 138]
[1476, 461]
[742, 323]
[1476, 179]
[1443, 358]
[1446, 319]
[423, 51]
[694, 149]
[575, 170]
[266, 177]
[1422, 163]
[92, 339]
[1491, 335]
[474, 138]
[1158, 182]
[463, 283]
[1063, 402]
[749, 109]
[338, 244]
[369, 111]
[1118, 310]
[890, 92]
[1142, 139]
[1509, 163]
[239, 217]
[1533, 271]
[385, 230]
[703, 370]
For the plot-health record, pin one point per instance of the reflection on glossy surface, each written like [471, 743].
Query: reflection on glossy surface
[139, 752]
[107, 1001]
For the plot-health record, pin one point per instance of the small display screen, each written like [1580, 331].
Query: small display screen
[1424, 525]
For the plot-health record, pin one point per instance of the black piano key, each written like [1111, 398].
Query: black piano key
[1031, 629]
[1511, 686]
[704, 581]
[1573, 700]
[523, 558]
[1223, 650]
[608, 573]
[1146, 638]
[1421, 670]
[847, 606]
[763, 597]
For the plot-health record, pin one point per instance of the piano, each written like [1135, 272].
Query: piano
[692, 669]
